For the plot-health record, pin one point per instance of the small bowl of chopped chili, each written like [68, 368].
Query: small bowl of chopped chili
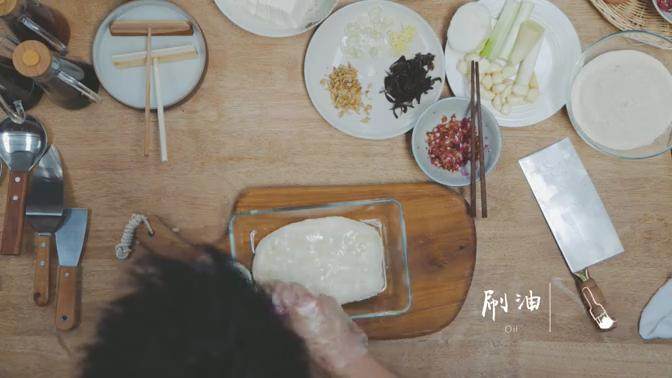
[664, 7]
[441, 141]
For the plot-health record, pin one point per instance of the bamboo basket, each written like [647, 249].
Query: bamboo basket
[635, 15]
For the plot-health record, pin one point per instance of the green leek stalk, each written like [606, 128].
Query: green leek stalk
[526, 70]
[495, 42]
[529, 34]
[523, 14]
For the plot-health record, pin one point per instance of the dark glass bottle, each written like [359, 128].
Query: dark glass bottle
[30, 20]
[16, 87]
[69, 84]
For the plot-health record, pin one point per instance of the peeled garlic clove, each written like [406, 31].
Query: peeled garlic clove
[507, 90]
[497, 78]
[484, 66]
[516, 100]
[487, 95]
[508, 71]
[532, 95]
[496, 67]
[487, 82]
[470, 57]
[497, 102]
[462, 67]
[506, 109]
[498, 88]
[520, 90]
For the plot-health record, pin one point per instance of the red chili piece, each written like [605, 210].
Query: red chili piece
[449, 143]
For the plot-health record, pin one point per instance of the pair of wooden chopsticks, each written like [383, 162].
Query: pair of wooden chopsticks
[476, 143]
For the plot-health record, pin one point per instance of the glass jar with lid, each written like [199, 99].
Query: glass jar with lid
[29, 19]
[69, 84]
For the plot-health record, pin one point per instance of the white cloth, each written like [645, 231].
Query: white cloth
[656, 320]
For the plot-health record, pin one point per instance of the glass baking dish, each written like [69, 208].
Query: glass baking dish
[246, 229]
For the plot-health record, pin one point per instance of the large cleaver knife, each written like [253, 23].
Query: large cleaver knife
[44, 212]
[577, 218]
[69, 244]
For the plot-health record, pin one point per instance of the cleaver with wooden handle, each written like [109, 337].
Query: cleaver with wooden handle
[577, 218]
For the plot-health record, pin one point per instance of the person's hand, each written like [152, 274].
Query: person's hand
[333, 340]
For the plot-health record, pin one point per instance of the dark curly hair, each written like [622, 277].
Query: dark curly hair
[194, 319]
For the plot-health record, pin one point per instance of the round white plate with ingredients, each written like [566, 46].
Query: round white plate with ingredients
[370, 35]
[560, 49]
[128, 85]
[257, 18]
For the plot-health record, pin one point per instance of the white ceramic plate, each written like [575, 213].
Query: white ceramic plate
[560, 50]
[431, 118]
[243, 19]
[128, 85]
[324, 53]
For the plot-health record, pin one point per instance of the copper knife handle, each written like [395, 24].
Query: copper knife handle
[594, 301]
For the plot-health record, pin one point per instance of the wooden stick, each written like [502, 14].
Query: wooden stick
[159, 109]
[128, 28]
[148, 91]
[472, 141]
[166, 55]
[481, 146]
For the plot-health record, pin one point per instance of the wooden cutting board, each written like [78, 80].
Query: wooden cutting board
[441, 247]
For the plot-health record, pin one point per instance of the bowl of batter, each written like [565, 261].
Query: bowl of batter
[620, 98]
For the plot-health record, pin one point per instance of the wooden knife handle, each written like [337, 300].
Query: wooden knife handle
[42, 259]
[66, 305]
[595, 304]
[15, 210]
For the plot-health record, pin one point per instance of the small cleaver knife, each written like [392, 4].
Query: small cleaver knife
[44, 212]
[69, 244]
[577, 218]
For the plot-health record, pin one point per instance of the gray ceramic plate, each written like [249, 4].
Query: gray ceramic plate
[128, 85]
[666, 15]
[431, 118]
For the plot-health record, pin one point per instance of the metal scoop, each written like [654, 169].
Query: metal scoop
[21, 147]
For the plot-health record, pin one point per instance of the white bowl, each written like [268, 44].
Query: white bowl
[431, 118]
[655, 45]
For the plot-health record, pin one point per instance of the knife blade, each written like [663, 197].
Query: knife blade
[577, 218]
[44, 212]
[70, 240]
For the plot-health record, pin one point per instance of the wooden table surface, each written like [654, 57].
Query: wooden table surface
[252, 124]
